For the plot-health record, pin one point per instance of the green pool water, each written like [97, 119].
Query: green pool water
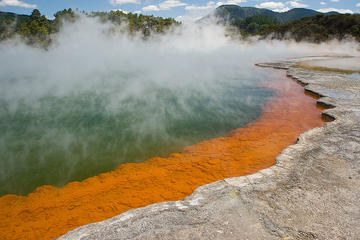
[88, 104]
[58, 139]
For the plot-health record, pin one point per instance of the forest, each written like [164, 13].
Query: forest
[316, 29]
[36, 29]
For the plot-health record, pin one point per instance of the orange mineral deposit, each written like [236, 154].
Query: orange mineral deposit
[49, 212]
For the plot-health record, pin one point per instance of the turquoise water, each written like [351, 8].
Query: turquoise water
[54, 138]
[354, 75]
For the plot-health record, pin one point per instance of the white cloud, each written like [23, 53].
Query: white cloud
[50, 17]
[358, 5]
[334, 0]
[120, 2]
[165, 5]
[138, 12]
[196, 12]
[187, 18]
[150, 8]
[170, 4]
[297, 4]
[230, 2]
[16, 3]
[126, 12]
[281, 6]
[285, 9]
[323, 3]
[324, 10]
[212, 5]
[278, 5]
[209, 5]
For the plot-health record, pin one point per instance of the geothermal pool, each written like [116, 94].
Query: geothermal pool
[92, 101]
[100, 124]
[50, 212]
[53, 139]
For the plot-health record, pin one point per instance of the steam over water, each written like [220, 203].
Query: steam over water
[97, 99]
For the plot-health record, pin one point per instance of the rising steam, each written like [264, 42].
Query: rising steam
[98, 97]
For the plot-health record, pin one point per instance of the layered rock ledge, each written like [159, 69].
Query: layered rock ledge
[312, 192]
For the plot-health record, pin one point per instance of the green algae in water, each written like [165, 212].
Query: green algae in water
[94, 101]
[57, 139]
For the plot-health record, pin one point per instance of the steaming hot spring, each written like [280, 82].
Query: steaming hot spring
[94, 102]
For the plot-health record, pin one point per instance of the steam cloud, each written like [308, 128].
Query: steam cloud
[97, 98]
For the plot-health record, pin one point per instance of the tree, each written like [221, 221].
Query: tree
[61, 16]
[36, 29]
[35, 14]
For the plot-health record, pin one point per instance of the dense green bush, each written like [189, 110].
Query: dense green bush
[36, 29]
[317, 28]
[136, 22]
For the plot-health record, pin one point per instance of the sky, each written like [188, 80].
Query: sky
[183, 10]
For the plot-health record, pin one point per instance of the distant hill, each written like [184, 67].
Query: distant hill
[35, 27]
[231, 13]
[298, 24]
[10, 23]
[317, 28]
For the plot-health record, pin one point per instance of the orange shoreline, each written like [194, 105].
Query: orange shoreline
[49, 211]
